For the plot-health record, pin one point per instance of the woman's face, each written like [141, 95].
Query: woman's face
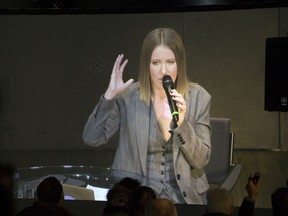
[162, 63]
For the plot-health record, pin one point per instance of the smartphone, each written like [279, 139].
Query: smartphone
[256, 177]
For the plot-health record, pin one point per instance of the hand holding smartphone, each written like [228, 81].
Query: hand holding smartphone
[255, 178]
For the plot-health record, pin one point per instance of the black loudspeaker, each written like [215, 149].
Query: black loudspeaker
[276, 74]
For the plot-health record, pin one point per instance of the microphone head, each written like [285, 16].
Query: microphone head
[167, 81]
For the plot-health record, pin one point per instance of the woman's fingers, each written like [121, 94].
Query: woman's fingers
[119, 66]
[122, 66]
[129, 82]
[181, 105]
[116, 64]
[116, 83]
[180, 102]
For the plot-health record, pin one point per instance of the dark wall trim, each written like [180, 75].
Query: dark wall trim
[130, 6]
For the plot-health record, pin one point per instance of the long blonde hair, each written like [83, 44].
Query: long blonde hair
[167, 37]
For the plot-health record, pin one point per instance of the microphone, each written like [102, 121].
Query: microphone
[168, 85]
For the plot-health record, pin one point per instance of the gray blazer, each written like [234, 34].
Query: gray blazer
[130, 115]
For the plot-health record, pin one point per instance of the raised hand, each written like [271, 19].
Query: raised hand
[252, 187]
[116, 83]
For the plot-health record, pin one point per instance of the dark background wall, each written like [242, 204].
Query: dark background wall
[55, 67]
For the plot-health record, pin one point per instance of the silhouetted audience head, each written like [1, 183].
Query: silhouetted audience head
[129, 183]
[279, 200]
[219, 201]
[161, 207]
[118, 197]
[50, 190]
[139, 200]
[6, 189]
[50, 197]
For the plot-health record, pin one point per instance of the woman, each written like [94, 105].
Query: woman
[171, 163]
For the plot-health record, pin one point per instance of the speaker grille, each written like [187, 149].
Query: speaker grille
[276, 74]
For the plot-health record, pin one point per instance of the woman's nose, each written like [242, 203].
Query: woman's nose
[163, 69]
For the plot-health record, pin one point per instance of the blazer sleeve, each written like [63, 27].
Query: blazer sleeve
[247, 207]
[193, 136]
[102, 123]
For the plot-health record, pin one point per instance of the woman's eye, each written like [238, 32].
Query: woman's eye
[155, 62]
[171, 61]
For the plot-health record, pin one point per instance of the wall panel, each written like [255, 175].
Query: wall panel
[227, 52]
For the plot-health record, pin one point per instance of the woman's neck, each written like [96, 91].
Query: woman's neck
[159, 94]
